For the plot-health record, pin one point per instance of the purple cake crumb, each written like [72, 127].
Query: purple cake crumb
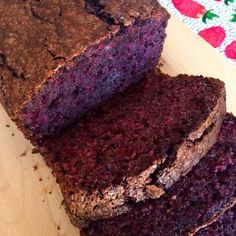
[224, 226]
[67, 57]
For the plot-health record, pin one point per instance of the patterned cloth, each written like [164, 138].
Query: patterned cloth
[213, 20]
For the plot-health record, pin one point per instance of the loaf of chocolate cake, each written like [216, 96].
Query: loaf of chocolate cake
[224, 226]
[135, 146]
[59, 59]
[192, 203]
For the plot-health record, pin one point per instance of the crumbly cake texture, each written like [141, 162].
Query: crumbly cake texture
[193, 202]
[136, 145]
[59, 59]
[224, 226]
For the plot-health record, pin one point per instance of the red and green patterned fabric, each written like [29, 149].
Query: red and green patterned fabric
[213, 20]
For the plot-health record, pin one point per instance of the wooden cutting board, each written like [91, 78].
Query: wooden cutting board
[30, 200]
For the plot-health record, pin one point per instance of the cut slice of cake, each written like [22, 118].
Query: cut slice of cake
[136, 145]
[58, 59]
[195, 201]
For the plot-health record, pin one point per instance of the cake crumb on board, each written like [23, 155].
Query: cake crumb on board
[35, 167]
[35, 151]
[23, 154]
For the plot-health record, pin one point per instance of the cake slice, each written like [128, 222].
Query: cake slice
[224, 226]
[136, 145]
[59, 59]
[190, 204]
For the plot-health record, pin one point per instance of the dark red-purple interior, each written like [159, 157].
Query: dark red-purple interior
[205, 192]
[129, 133]
[224, 226]
[104, 69]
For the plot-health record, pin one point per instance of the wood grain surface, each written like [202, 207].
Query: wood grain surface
[30, 200]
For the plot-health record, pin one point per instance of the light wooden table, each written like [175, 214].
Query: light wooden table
[30, 201]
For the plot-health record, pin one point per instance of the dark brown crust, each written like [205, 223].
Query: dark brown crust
[54, 32]
[125, 12]
[49, 39]
[198, 143]
[83, 207]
